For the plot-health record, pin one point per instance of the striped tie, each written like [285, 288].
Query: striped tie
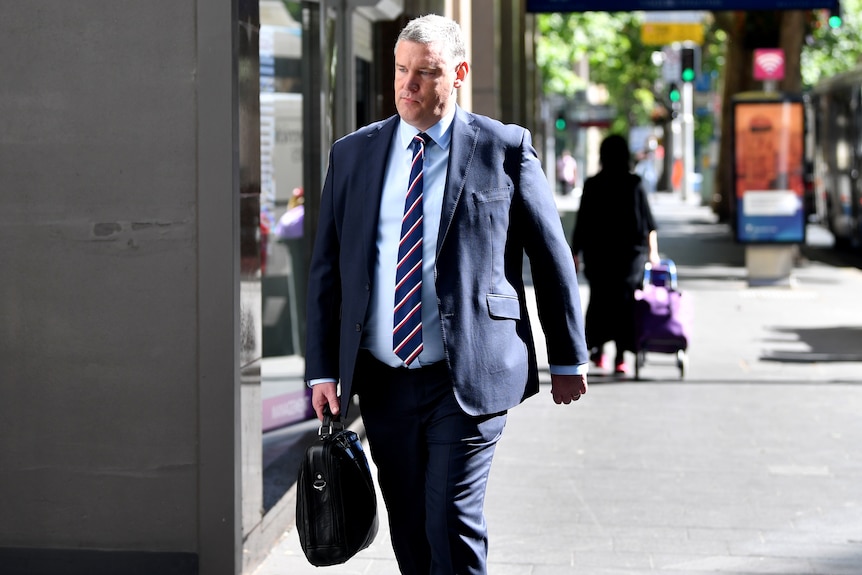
[407, 332]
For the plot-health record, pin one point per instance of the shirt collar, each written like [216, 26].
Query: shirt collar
[439, 132]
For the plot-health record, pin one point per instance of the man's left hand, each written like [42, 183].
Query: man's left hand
[568, 388]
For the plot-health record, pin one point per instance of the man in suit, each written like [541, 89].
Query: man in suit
[434, 401]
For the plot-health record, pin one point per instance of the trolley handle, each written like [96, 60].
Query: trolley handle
[668, 265]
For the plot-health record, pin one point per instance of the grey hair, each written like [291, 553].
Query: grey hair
[435, 29]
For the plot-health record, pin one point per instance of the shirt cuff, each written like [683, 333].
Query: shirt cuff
[313, 382]
[580, 369]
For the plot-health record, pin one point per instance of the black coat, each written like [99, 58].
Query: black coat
[612, 231]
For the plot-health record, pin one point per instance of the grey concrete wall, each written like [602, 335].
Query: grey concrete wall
[498, 54]
[118, 259]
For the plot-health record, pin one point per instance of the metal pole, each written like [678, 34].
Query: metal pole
[687, 139]
[315, 141]
[345, 70]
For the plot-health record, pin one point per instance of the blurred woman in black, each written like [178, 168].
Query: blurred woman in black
[616, 234]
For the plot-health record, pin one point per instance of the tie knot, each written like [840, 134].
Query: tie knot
[421, 140]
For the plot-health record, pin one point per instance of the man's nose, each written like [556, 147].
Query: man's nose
[412, 82]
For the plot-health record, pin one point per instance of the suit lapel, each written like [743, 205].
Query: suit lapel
[464, 139]
[375, 151]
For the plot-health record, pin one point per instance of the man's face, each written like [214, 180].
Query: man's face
[424, 83]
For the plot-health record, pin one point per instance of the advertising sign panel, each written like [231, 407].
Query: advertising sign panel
[768, 170]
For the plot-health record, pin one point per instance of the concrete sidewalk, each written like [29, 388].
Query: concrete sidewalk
[749, 465]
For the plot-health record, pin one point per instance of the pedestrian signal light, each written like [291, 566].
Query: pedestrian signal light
[687, 68]
[835, 17]
[673, 94]
[561, 121]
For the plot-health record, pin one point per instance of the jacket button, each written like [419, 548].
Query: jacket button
[358, 327]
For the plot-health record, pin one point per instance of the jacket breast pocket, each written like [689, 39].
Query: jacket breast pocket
[484, 231]
[492, 195]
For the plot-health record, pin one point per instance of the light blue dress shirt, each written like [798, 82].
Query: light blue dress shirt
[377, 336]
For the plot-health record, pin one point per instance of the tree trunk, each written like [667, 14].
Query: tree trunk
[745, 32]
[793, 24]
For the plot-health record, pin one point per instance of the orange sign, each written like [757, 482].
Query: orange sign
[768, 152]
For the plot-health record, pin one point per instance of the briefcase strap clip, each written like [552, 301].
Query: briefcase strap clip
[330, 425]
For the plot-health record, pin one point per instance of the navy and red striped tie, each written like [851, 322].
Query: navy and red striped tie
[407, 331]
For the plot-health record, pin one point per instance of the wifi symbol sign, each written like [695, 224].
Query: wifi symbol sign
[768, 64]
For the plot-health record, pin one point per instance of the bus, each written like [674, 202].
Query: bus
[836, 112]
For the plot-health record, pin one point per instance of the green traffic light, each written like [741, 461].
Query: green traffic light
[674, 95]
[688, 59]
[834, 21]
[560, 123]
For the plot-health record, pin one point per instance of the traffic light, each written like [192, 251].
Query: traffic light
[674, 96]
[835, 18]
[560, 123]
[687, 65]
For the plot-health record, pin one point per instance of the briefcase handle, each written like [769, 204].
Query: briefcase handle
[331, 423]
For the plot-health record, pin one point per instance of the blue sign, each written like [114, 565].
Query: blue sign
[647, 5]
[703, 82]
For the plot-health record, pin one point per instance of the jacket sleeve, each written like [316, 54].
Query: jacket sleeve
[324, 290]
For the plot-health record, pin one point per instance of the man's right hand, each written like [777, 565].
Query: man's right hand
[323, 394]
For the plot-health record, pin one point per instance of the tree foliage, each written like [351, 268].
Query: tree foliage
[828, 52]
[618, 60]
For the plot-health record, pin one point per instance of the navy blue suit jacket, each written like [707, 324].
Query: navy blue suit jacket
[497, 205]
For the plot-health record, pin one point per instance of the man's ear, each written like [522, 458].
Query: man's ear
[461, 73]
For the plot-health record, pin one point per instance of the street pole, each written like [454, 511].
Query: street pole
[687, 140]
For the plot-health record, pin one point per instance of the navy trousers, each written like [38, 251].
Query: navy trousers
[433, 462]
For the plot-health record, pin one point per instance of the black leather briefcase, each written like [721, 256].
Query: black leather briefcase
[336, 505]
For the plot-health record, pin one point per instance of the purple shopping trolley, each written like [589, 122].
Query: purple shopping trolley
[662, 316]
